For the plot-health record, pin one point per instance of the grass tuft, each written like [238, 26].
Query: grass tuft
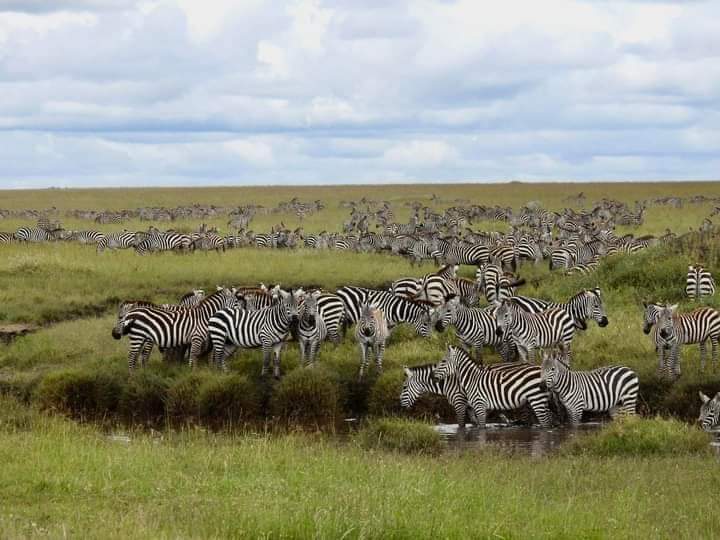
[399, 435]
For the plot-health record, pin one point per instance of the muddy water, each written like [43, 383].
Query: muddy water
[535, 442]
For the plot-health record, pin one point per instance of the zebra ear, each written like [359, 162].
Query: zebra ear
[219, 287]
[407, 371]
[704, 398]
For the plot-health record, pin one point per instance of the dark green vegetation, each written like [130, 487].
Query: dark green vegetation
[245, 476]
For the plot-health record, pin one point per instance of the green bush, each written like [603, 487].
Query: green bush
[181, 400]
[400, 435]
[634, 436]
[80, 394]
[228, 401]
[143, 398]
[307, 396]
[384, 396]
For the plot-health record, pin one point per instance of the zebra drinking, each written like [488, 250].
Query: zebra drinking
[709, 412]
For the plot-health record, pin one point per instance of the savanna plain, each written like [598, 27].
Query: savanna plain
[88, 450]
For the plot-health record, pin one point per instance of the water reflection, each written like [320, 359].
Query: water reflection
[530, 441]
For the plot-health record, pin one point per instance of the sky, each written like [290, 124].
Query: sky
[252, 92]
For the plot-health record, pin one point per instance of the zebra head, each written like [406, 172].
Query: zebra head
[445, 314]
[290, 302]
[651, 315]
[367, 323]
[310, 307]
[596, 308]
[504, 318]
[447, 366]
[665, 325]
[709, 412]
[123, 309]
[551, 369]
[413, 386]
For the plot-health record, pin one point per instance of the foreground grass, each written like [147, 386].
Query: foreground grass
[62, 479]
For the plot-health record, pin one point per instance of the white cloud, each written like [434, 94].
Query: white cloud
[181, 91]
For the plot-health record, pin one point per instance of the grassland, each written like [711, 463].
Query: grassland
[193, 483]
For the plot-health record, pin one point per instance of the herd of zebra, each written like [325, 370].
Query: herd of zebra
[516, 326]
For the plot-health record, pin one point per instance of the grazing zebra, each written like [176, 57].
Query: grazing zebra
[496, 284]
[698, 326]
[234, 328]
[610, 389]
[474, 327]
[164, 242]
[583, 306]
[371, 332]
[118, 240]
[148, 326]
[496, 389]
[312, 330]
[554, 327]
[709, 412]
[36, 234]
[699, 282]
[396, 310]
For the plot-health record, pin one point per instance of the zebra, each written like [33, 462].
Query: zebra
[268, 328]
[396, 310]
[582, 306]
[118, 240]
[699, 282]
[709, 412]
[474, 327]
[468, 290]
[698, 326]
[610, 389]
[496, 389]
[436, 288]
[312, 329]
[405, 287]
[371, 332]
[164, 242]
[36, 234]
[470, 254]
[496, 285]
[562, 258]
[147, 326]
[553, 327]
[86, 237]
[6, 238]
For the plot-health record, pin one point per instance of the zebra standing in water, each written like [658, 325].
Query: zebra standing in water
[420, 380]
[583, 306]
[698, 326]
[529, 331]
[234, 328]
[312, 330]
[610, 389]
[699, 282]
[496, 389]
[709, 412]
[148, 326]
[371, 332]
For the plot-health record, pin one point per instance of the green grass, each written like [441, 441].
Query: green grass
[61, 479]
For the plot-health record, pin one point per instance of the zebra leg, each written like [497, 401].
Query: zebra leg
[196, 344]
[135, 348]
[541, 410]
[276, 354]
[303, 352]
[379, 352]
[703, 353]
[661, 359]
[314, 348]
[267, 350]
[147, 348]
[530, 355]
[480, 414]
[714, 344]
[363, 359]
[675, 361]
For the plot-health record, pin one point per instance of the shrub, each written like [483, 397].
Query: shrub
[384, 396]
[227, 401]
[307, 396]
[181, 400]
[80, 394]
[400, 435]
[635, 436]
[143, 398]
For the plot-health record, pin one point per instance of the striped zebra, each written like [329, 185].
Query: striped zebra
[554, 327]
[420, 380]
[709, 412]
[118, 240]
[505, 256]
[436, 288]
[148, 326]
[474, 327]
[469, 254]
[208, 242]
[496, 284]
[562, 258]
[698, 326]
[164, 242]
[268, 328]
[37, 234]
[651, 314]
[699, 282]
[468, 290]
[496, 389]
[86, 237]
[312, 329]
[396, 310]
[6, 238]
[612, 389]
[582, 306]
[371, 333]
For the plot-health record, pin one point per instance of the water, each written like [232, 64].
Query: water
[535, 442]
